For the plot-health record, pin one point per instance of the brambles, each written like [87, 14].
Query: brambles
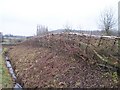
[5, 51]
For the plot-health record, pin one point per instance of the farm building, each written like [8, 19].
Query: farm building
[1, 37]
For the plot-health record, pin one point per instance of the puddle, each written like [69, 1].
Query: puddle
[17, 87]
[8, 64]
[11, 71]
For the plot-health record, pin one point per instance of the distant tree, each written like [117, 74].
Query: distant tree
[67, 28]
[107, 21]
[41, 30]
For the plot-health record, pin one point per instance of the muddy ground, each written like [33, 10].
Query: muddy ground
[57, 61]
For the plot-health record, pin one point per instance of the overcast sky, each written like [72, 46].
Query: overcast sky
[20, 17]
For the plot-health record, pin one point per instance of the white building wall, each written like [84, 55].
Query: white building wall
[119, 18]
[1, 37]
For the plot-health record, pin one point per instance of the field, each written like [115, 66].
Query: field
[66, 60]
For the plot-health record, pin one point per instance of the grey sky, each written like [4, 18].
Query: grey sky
[21, 17]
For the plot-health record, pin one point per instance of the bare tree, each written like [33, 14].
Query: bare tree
[67, 28]
[107, 20]
[41, 30]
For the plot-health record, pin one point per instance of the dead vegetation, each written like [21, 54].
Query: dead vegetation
[65, 60]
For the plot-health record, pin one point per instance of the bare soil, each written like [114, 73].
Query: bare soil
[57, 61]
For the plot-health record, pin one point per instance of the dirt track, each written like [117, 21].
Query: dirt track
[55, 61]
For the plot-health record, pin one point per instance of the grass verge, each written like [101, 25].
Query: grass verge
[5, 77]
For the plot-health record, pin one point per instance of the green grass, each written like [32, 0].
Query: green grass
[5, 77]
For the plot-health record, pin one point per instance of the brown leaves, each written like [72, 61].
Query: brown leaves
[56, 61]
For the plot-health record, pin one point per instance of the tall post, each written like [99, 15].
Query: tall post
[119, 18]
[118, 70]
